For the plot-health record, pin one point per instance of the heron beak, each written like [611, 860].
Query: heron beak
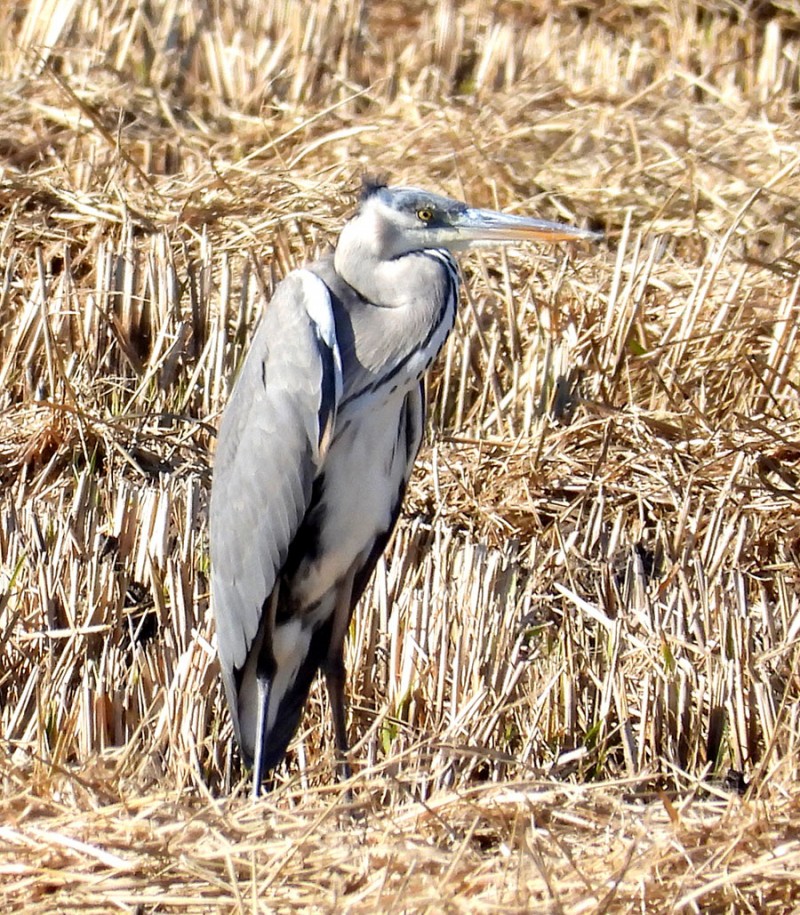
[475, 227]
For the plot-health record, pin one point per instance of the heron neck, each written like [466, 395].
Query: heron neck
[392, 319]
[371, 257]
[400, 282]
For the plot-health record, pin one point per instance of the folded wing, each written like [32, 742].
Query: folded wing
[272, 442]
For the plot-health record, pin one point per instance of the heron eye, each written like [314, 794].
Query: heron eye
[425, 214]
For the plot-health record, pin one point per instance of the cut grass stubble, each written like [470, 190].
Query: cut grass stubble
[595, 577]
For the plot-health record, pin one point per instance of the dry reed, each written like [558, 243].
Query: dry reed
[575, 676]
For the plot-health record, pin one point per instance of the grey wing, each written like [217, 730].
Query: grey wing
[271, 443]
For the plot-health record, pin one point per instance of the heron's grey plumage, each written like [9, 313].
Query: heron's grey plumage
[286, 393]
[317, 444]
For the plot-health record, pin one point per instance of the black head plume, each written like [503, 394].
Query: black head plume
[372, 184]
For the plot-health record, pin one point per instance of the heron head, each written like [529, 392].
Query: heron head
[398, 220]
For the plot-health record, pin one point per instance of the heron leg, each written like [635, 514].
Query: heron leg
[335, 679]
[264, 687]
[265, 671]
[335, 672]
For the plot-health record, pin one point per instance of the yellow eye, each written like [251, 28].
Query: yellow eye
[425, 214]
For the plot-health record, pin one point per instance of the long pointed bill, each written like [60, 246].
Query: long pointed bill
[476, 227]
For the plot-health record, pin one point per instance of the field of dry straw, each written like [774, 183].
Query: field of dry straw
[574, 680]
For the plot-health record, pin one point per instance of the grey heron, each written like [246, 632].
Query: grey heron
[316, 446]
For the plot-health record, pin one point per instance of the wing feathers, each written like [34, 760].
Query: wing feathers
[271, 442]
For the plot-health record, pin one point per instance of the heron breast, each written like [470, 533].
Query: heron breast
[364, 472]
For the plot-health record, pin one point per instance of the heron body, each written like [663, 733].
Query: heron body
[316, 447]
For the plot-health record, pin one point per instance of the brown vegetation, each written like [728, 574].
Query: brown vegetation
[575, 677]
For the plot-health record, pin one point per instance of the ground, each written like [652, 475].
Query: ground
[574, 678]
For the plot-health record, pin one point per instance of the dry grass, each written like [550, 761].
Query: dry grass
[518, 847]
[583, 645]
